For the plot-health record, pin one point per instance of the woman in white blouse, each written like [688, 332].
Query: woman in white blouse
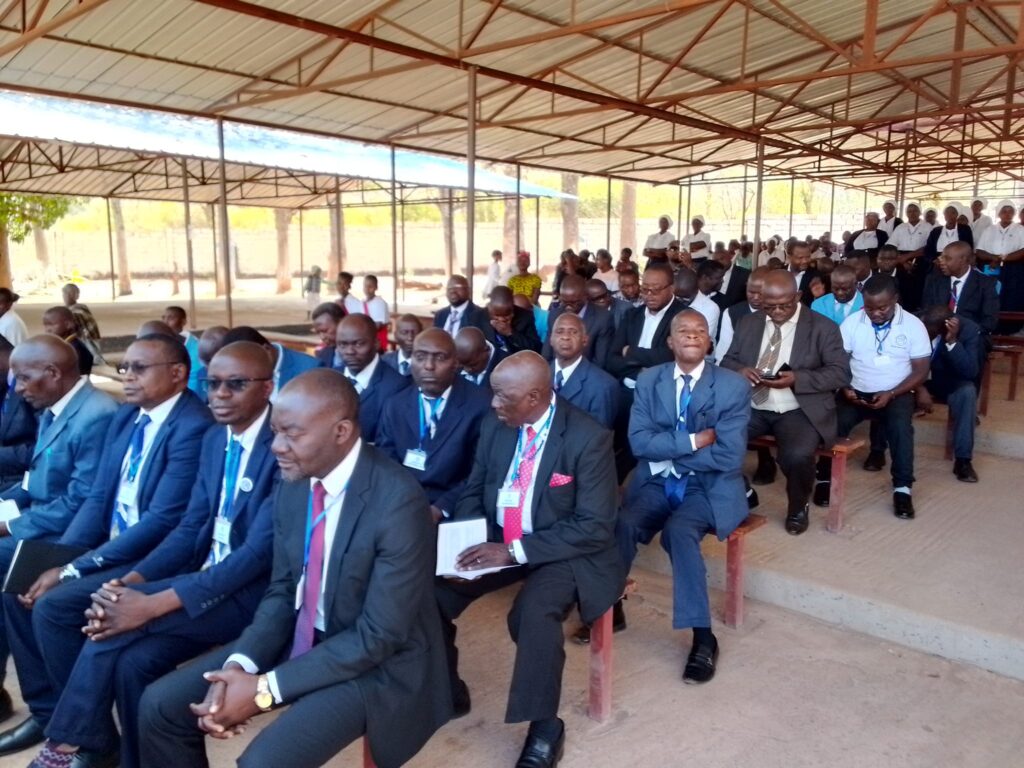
[698, 243]
[656, 247]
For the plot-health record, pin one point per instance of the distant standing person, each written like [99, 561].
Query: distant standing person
[346, 300]
[311, 289]
[606, 273]
[88, 328]
[12, 327]
[377, 309]
[494, 276]
[524, 282]
[656, 247]
[176, 317]
[698, 242]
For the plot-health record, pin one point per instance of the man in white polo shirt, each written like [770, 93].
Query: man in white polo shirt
[889, 356]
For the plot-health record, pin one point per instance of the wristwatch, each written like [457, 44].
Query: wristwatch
[512, 553]
[264, 699]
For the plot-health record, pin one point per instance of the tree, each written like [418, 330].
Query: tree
[282, 220]
[570, 211]
[22, 214]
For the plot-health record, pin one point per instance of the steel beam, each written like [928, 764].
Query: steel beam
[58, 21]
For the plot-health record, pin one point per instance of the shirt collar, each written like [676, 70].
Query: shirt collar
[363, 377]
[185, 336]
[538, 425]
[695, 374]
[661, 312]
[402, 358]
[158, 414]
[569, 369]
[445, 396]
[791, 321]
[248, 437]
[61, 404]
[337, 479]
[962, 278]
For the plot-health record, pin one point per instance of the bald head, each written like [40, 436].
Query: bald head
[778, 282]
[239, 382]
[252, 356]
[210, 343]
[157, 328]
[522, 389]
[45, 369]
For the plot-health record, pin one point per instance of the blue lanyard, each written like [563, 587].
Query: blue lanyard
[311, 524]
[880, 340]
[425, 420]
[522, 450]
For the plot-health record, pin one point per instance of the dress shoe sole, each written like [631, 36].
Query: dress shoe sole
[795, 528]
[966, 478]
[714, 668]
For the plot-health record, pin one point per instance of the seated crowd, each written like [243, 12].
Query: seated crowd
[254, 528]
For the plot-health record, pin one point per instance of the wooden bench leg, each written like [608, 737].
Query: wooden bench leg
[949, 436]
[734, 551]
[367, 757]
[1014, 370]
[986, 384]
[837, 496]
[601, 668]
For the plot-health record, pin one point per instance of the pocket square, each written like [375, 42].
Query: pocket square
[558, 480]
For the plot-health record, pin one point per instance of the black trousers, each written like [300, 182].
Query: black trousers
[535, 624]
[798, 443]
[307, 734]
[897, 422]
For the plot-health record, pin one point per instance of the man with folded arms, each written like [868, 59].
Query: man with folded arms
[346, 636]
[199, 587]
[140, 490]
[688, 429]
[793, 358]
[541, 479]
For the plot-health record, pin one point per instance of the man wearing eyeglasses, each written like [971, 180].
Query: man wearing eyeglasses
[431, 428]
[794, 360]
[139, 493]
[198, 588]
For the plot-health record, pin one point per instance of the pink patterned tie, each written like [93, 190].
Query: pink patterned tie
[304, 624]
[514, 515]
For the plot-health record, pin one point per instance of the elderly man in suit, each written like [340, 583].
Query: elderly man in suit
[599, 324]
[575, 378]
[60, 465]
[794, 360]
[540, 478]
[476, 356]
[461, 312]
[432, 426]
[346, 637]
[508, 327]
[18, 426]
[966, 291]
[198, 588]
[375, 382]
[688, 429]
[407, 329]
[325, 318]
[139, 492]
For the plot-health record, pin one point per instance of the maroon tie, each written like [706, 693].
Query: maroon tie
[304, 624]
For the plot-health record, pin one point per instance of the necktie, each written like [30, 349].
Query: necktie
[860, 286]
[513, 528]
[44, 424]
[120, 522]
[559, 380]
[305, 623]
[675, 487]
[453, 322]
[232, 460]
[403, 367]
[432, 407]
[769, 359]
[953, 295]
[354, 383]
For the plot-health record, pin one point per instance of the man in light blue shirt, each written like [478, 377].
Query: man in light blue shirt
[844, 300]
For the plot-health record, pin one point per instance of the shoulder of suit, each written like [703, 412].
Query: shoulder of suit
[387, 475]
[579, 420]
[732, 378]
[649, 375]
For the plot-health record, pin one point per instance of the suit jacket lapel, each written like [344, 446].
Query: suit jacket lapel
[158, 440]
[552, 448]
[355, 502]
[450, 416]
[702, 394]
[260, 454]
[801, 338]
[667, 392]
[575, 384]
[61, 421]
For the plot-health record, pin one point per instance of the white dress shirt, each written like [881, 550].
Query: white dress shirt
[910, 237]
[979, 225]
[780, 400]
[58, 408]
[887, 225]
[659, 240]
[352, 305]
[725, 337]
[651, 322]
[13, 328]
[947, 237]
[568, 370]
[363, 377]
[454, 318]
[666, 467]
[709, 309]
[701, 237]
[866, 240]
[377, 309]
[609, 278]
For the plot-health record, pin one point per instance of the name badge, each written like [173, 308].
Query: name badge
[127, 493]
[245, 485]
[222, 530]
[24, 481]
[883, 361]
[415, 459]
[509, 497]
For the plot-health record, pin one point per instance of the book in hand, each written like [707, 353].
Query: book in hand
[454, 538]
[31, 558]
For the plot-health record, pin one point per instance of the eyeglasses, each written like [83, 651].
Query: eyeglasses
[233, 385]
[140, 368]
[648, 290]
[769, 308]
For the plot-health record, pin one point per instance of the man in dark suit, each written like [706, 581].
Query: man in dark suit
[735, 314]
[793, 358]
[734, 281]
[710, 275]
[18, 425]
[60, 466]
[375, 382]
[540, 477]
[800, 265]
[477, 357]
[139, 492]
[966, 291]
[508, 327]
[325, 318]
[956, 362]
[432, 426]
[599, 324]
[346, 636]
[460, 312]
[641, 342]
[407, 329]
[198, 588]
[575, 378]
[689, 432]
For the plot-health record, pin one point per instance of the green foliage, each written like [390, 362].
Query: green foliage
[20, 214]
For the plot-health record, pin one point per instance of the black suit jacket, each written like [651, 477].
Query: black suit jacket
[804, 286]
[600, 327]
[18, 427]
[384, 384]
[818, 360]
[952, 368]
[472, 315]
[978, 300]
[382, 627]
[737, 291]
[931, 246]
[628, 334]
[524, 332]
[573, 522]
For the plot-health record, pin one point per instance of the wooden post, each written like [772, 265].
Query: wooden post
[394, 238]
[600, 707]
[792, 194]
[188, 247]
[608, 218]
[471, 175]
[760, 189]
[225, 231]
[519, 206]
[734, 561]
[837, 492]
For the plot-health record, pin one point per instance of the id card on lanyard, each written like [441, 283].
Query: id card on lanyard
[509, 495]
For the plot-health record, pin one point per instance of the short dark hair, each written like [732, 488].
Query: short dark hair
[627, 251]
[663, 268]
[245, 333]
[888, 249]
[346, 276]
[371, 278]
[328, 308]
[176, 310]
[172, 345]
[879, 285]
[710, 268]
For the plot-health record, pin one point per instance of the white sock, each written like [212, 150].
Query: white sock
[902, 489]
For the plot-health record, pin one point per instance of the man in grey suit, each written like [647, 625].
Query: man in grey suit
[572, 299]
[577, 379]
[794, 359]
[346, 637]
[73, 422]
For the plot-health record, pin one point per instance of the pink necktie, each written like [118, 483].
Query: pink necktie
[514, 515]
[305, 623]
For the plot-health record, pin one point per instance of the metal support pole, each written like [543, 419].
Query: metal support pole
[519, 206]
[302, 249]
[110, 247]
[188, 247]
[832, 212]
[743, 203]
[471, 175]
[225, 231]
[865, 201]
[689, 198]
[608, 217]
[792, 194]
[394, 236]
[402, 217]
[337, 221]
[760, 184]
[536, 234]
[679, 212]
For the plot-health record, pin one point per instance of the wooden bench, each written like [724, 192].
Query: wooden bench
[735, 554]
[838, 452]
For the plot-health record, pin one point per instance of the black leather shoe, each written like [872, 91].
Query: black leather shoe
[541, 753]
[27, 733]
[964, 471]
[700, 665]
[582, 635]
[797, 522]
[903, 506]
[765, 474]
[6, 705]
[460, 701]
[86, 759]
[875, 462]
[752, 501]
[822, 493]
